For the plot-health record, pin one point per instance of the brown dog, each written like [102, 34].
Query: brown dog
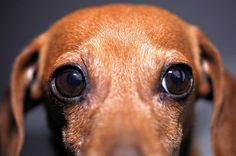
[120, 80]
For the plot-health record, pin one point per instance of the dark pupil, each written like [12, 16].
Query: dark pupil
[70, 83]
[178, 81]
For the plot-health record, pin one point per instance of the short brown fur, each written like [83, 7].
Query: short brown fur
[124, 49]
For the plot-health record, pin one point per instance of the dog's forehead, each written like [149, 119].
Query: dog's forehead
[126, 23]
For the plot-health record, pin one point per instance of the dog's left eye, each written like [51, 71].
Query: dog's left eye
[68, 82]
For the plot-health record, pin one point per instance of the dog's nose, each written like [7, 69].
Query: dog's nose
[126, 151]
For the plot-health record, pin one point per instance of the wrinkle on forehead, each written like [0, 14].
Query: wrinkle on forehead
[134, 38]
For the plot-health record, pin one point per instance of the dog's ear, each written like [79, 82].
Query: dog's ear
[23, 94]
[216, 85]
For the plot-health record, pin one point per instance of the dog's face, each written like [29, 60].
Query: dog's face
[122, 80]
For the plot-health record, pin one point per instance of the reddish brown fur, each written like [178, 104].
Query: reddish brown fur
[124, 49]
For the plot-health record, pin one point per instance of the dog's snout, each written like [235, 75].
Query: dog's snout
[126, 151]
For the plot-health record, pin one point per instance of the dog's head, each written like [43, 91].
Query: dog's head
[117, 80]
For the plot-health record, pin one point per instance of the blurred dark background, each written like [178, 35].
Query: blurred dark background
[21, 21]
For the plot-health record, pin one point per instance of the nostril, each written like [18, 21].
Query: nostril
[126, 151]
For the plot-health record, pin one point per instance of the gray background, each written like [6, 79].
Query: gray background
[21, 21]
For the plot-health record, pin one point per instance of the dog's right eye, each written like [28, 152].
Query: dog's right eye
[68, 82]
